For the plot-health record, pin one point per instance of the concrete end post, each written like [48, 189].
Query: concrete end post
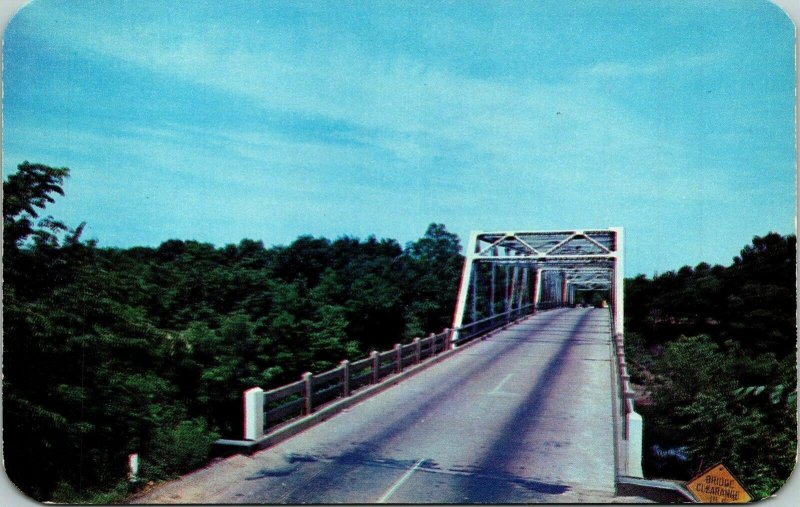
[133, 467]
[253, 413]
[635, 425]
[417, 350]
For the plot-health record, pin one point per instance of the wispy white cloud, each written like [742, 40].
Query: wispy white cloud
[553, 134]
[664, 65]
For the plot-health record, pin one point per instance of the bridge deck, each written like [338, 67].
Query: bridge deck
[522, 416]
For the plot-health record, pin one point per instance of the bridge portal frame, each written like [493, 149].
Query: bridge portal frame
[590, 259]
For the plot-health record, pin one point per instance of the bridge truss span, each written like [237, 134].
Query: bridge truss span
[543, 268]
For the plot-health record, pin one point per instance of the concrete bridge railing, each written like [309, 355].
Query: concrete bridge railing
[633, 424]
[268, 410]
[629, 430]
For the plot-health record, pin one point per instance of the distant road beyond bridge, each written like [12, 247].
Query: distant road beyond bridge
[524, 415]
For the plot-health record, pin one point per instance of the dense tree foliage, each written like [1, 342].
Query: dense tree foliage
[713, 350]
[111, 351]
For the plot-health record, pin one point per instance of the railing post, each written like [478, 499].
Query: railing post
[307, 378]
[345, 364]
[375, 366]
[432, 336]
[417, 350]
[253, 413]
[399, 355]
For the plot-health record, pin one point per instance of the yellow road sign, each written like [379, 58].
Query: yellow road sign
[718, 485]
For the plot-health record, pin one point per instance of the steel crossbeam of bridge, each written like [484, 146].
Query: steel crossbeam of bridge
[546, 268]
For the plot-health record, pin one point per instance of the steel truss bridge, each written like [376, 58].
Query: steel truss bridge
[545, 268]
[525, 399]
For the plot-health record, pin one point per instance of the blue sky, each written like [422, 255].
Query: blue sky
[217, 121]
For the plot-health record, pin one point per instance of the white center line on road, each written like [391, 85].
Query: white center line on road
[400, 481]
[501, 384]
[502, 394]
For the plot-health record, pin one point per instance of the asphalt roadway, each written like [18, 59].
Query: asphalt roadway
[522, 416]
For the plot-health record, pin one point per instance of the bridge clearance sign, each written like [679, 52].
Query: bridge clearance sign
[718, 485]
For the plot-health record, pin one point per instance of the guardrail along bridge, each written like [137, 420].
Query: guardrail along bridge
[525, 399]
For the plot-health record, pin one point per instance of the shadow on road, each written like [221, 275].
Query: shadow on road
[503, 451]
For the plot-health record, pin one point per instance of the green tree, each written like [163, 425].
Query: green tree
[25, 193]
[432, 270]
[728, 391]
[109, 351]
